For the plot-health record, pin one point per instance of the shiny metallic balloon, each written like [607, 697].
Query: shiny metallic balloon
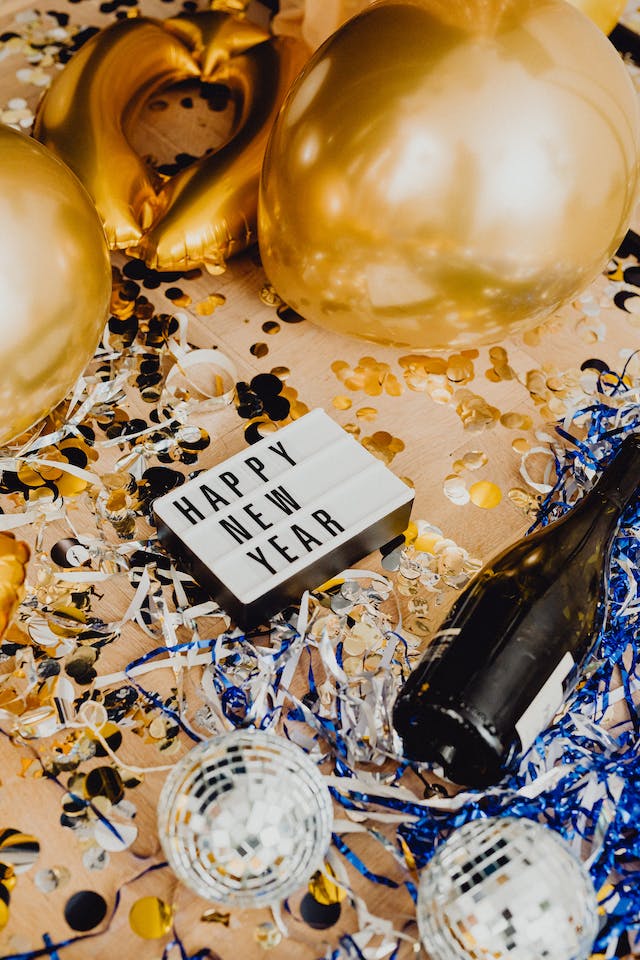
[442, 174]
[208, 211]
[605, 13]
[55, 281]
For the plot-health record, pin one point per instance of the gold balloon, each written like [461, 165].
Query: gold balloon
[443, 173]
[91, 105]
[209, 210]
[55, 281]
[605, 13]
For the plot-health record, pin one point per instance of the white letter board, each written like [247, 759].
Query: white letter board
[282, 516]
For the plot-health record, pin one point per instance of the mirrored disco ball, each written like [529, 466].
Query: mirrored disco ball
[245, 818]
[506, 889]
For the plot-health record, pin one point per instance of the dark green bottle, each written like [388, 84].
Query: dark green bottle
[513, 644]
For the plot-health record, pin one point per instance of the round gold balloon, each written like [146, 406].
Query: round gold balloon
[605, 13]
[55, 281]
[442, 174]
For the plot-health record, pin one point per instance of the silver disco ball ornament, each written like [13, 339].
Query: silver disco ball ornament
[245, 818]
[506, 888]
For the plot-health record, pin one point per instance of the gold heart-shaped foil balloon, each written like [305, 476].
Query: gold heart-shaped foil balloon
[444, 172]
[206, 212]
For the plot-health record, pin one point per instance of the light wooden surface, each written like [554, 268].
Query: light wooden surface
[433, 436]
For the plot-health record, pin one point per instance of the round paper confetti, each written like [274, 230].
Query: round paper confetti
[151, 918]
[85, 910]
[485, 494]
[319, 916]
[21, 850]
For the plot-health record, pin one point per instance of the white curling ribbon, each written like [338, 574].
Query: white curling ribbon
[540, 487]
[83, 576]
[186, 360]
[212, 698]
[329, 658]
[11, 521]
[136, 603]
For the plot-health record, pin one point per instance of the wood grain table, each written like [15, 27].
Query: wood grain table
[447, 424]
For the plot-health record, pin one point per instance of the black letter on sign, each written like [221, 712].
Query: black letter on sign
[281, 549]
[257, 466]
[305, 538]
[257, 516]
[261, 559]
[279, 449]
[231, 481]
[280, 497]
[237, 531]
[187, 508]
[327, 522]
[213, 497]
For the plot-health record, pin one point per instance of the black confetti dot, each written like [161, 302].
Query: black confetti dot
[319, 916]
[85, 910]
[105, 782]
[632, 275]
[157, 481]
[288, 315]
[69, 553]
[266, 385]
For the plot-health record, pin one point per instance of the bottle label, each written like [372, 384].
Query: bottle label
[545, 704]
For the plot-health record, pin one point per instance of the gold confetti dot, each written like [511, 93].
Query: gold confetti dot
[150, 918]
[520, 444]
[4, 914]
[205, 308]
[259, 350]
[426, 542]
[485, 494]
[342, 402]
[459, 369]
[282, 373]
[475, 459]
[516, 421]
[367, 413]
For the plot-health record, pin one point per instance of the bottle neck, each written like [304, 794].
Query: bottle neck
[620, 479]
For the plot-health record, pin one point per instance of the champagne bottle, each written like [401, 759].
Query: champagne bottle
[514, 642]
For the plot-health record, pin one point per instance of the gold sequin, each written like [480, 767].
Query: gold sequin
[485, 494]
[151, 918]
